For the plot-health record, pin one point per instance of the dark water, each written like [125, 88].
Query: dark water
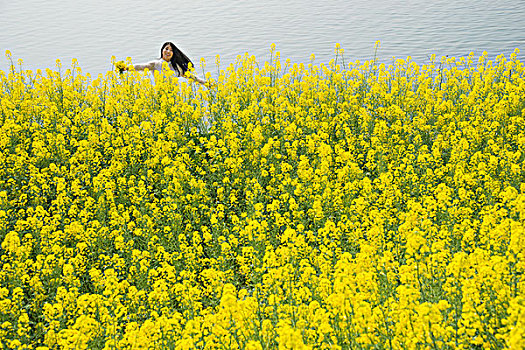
[92, 31]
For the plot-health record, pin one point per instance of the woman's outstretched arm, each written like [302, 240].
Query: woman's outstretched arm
[189, 75]
[149, 65]
[197, 79]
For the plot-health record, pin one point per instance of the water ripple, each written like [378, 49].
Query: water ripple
[41, 31]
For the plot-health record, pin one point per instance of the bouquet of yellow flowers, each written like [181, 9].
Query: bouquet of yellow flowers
[121, 66]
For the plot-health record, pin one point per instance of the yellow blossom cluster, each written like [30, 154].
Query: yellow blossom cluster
[285, 206]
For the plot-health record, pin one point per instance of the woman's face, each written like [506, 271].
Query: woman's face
[167, 53]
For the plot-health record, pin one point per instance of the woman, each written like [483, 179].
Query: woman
[176, 59]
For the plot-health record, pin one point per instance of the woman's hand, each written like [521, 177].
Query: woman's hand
[120, 66]
[200, 81]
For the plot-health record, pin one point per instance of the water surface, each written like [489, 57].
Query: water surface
[39, 31]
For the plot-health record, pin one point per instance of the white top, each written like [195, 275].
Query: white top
[157, 65]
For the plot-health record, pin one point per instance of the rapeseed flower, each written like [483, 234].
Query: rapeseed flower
[346, 205]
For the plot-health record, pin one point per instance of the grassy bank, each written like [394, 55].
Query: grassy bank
[342, 206]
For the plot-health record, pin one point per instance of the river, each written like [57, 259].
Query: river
[39, 32]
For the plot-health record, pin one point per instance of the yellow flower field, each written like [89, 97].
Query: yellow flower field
[343, 206]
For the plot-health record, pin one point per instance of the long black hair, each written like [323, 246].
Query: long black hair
[178, 59]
